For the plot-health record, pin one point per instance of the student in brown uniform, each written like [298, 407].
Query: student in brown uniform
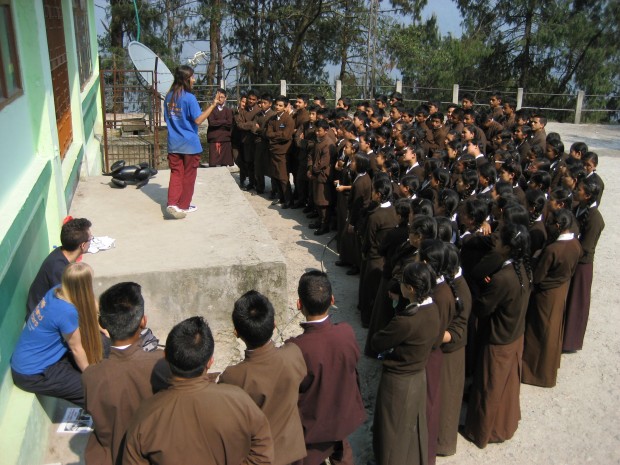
[435, 253]
[380, 220]
[262, 160]
[219, 132]
[494, 409]
[279, 131]
[196, 420]
[320, 175]
[115, 387]
[330, 408]
[302, 118]
[544, 320]
[439, 130]
[361, 191]
[453, 367]
[399, 428]
[270, 375]
[495, 104]
[591, 225]
[539, 136]
[244, 123]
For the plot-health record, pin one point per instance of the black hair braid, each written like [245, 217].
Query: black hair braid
[583, 220]
[459, 304]
[533, 217]
[528, 267]
[516, 264]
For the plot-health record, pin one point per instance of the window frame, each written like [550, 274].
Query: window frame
[5, 97]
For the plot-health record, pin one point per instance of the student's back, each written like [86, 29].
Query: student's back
[271, 376]
[330, 402]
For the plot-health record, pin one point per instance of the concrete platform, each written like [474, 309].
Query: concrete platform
[195, 266]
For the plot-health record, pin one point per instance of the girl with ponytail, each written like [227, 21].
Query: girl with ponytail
[494, 410]
[543, 325]
[399, 427]
[591, 225]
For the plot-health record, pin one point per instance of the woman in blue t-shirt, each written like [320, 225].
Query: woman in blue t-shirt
[60, 339]
[183, 116]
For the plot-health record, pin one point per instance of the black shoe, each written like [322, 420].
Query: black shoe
[315, 225]
[308, 209]
[341, 263]
[312, 215]
[297, 205]
[272, 195]
[353, 271]
[287, 205]
[324, 229]
[249, 187]
[260, 191]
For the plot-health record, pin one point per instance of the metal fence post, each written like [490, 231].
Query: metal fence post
[338, 91]
[519, 98]
[580, 96]
[455, 94]
[399, 86]
[283, 87]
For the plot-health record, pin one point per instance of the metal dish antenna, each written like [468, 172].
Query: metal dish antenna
[150, 67]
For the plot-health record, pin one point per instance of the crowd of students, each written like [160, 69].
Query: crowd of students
[473, 236]
[503, 217]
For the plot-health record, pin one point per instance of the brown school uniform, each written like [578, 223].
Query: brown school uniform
[359, 198]
[114, 390]
[279, 131]
[453, 372]
[197, 421]
[400, 433]
[539, 138]
[262, 162]
[439, 136]
[271, 376]
[379, 222]
[219, 136]
[330, 407]
[494, 409]
[446, 307]
[578, 301]
[320, 161]
[543, 328]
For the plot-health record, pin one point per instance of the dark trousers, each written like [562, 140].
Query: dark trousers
[62, 379]
[248, 159]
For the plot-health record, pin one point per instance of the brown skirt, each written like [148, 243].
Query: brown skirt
[451, 392]
[494, 411]
[399, 426]
[578, 307]
[433, 401]
[220, 153]
[542, 345]
[382, 313]
[368, 287]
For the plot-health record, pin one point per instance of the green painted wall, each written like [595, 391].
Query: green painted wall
[36, 190]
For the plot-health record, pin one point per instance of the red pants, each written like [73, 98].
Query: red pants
[182, 179]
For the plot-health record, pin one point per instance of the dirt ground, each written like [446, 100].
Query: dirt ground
[574, 423]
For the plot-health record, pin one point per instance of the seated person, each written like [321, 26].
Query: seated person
[75, 238]
[270, 375]
[60, 339]
[115, 387]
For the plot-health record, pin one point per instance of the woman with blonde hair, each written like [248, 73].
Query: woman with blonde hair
[60, 339]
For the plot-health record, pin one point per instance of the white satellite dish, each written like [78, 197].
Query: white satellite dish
[150, 67]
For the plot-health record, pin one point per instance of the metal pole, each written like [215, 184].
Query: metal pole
[283, 87]
[519, 98]
[455, 94]
[580, 96]
[338, 91]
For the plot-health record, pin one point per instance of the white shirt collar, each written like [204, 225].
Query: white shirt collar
[386, 204]
[317, 321]
[566, 237]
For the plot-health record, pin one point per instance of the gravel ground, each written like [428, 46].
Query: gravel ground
[574, 423]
